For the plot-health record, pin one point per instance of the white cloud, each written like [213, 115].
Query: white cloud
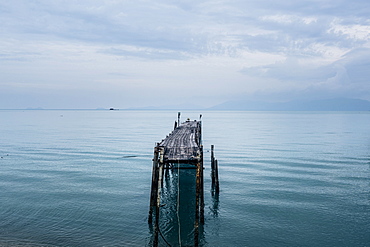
[284, 19]
[355, 32]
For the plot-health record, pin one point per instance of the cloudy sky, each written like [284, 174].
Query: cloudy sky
[123, 53]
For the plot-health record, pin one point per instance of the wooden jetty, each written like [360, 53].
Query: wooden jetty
[182, 146]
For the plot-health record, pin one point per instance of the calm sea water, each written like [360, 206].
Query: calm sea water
[82, 178]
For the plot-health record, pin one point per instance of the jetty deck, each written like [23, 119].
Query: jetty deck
[183, 145]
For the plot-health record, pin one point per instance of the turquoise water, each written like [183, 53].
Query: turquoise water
[82, 178]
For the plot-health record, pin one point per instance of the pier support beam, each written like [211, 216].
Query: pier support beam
[214, 172]
[158, 204]
[201, 187]
[155, 194]
[197, 197]
[154, 187]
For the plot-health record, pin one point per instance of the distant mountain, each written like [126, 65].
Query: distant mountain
[338, 104]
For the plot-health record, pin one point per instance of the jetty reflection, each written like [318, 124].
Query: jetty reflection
[177, 210]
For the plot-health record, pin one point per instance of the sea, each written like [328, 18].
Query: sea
[83, 178]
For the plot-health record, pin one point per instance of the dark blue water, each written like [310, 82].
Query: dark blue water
[82, 178]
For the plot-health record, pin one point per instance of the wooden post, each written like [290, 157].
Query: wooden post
[154, 187]
[158, 204]
[197, 195]
[162, 174]
[217, 183]
[199, 140]
[212, 166]
[201, 187]
[214, 172]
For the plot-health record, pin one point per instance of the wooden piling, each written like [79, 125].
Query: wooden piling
[217, 183]
[214, 172]
[201, 187]
[154, 187]
[197, 197]
[212, 165]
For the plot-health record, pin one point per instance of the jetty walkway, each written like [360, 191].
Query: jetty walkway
[183, 145]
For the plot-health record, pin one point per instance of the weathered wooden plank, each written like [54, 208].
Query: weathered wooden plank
[182, 144]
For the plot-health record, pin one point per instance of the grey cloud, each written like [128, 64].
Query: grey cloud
[148, 54]
[291, 70]
[185, 26]
[207, 42]
[130, 24]
[348, 76]
[357, 64]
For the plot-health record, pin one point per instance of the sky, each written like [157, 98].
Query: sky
[123, 53]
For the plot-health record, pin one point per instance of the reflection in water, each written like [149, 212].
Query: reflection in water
[177, 212]
[215, 202]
